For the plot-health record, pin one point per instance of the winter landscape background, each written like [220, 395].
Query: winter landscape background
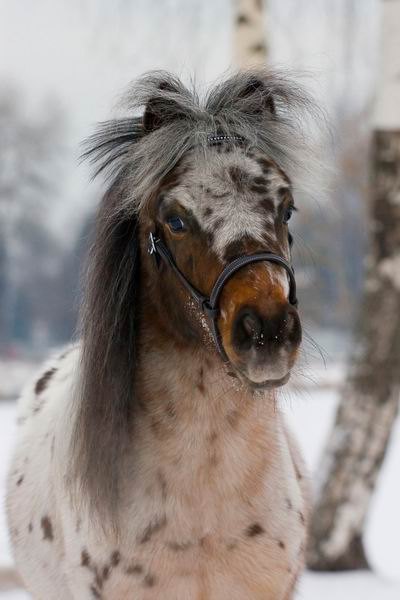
[63, 66]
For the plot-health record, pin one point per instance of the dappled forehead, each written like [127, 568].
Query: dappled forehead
[231, 193]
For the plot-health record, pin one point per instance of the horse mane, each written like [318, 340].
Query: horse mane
[165, 121]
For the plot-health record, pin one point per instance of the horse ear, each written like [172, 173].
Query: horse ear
[255, 90]
[162, 107]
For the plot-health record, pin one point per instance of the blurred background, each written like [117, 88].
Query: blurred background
[63, 65]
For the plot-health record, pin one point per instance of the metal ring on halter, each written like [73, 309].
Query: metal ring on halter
[209, 304]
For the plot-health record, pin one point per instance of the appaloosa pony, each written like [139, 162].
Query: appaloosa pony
[153, 461]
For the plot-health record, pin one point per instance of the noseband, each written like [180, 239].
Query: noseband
[210, 305]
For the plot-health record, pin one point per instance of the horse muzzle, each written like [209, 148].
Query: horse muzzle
[258, 336]
[264, 345]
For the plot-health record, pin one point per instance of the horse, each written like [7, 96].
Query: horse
[153, 459]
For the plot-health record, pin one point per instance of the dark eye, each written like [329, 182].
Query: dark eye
[287, 214]
[176, 224]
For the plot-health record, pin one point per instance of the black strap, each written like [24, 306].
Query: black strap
[209, 305]
[158, 249]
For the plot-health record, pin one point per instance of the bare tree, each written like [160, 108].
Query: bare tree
[369, 399]
[249, 44]
[30, 149]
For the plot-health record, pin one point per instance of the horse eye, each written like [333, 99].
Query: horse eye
[176, 224]
[287, 214]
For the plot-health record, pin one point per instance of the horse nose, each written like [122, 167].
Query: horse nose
[266, 334]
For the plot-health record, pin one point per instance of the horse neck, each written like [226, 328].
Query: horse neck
[188, 403]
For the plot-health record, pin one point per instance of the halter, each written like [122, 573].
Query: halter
[209, 304]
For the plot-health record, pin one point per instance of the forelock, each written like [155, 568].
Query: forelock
[233, 194]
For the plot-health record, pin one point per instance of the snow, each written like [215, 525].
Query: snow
[12, 373]
[358, 586]
[310, 411]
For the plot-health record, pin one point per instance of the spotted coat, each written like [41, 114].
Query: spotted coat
[215, 510]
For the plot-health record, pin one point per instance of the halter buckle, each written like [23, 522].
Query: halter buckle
[152, 248]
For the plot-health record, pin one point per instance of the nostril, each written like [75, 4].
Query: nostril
[293, 327]
[248, 330]
[252, 331]
[251, 326]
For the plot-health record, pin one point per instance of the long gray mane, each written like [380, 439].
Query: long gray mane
[165, 120]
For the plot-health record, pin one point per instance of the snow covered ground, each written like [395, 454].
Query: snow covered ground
[310, 411]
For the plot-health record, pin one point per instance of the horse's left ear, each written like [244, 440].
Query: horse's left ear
[255, 91]
[162, 107]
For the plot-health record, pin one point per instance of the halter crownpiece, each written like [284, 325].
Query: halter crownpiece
[209, 304]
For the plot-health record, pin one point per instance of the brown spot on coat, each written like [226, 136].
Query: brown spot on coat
[213, 437]
[233, 418]
[134, 569]
[153, 528]
[98, 579]
[115, 558]
[85, 558]
[200, 383]
[20, 480]
[210, 238]
[213, 458]
[266, 165]
[42, 383]
[254, 529]
[281, 545]
[95, 592]
[267, 205]
[30, 527]
[258, 189]
[179, 546]
[150, 580]
[170, 410]
[163, 485]
[299, 476]
[47, 529]
[239, 177]
[38, 407]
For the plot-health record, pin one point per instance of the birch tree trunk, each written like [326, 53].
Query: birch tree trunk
[250, 49]
[370, 397]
